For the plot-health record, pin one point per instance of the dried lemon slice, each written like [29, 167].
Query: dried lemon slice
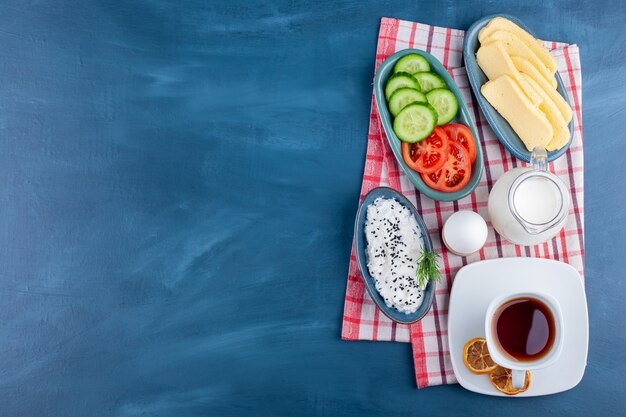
[476, 356]
[502, 379]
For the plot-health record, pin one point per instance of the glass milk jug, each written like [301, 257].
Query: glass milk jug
[529, 205]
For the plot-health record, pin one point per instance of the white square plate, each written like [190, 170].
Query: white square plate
[477, 284]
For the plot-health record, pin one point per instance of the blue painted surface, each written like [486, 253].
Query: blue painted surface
[180, 180]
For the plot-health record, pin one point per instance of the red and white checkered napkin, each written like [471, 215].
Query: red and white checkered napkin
[429, 337]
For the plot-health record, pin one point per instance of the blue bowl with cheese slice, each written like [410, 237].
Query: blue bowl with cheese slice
[396, 254]
[502, 129]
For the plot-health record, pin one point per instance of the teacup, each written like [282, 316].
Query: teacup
[524, 332]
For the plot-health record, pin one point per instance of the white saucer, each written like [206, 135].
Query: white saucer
[477, 284]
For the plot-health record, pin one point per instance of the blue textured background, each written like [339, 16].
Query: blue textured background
[179, 182]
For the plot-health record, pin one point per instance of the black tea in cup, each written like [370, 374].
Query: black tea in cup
[524, 328]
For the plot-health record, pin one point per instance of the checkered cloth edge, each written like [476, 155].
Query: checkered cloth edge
[429, 337]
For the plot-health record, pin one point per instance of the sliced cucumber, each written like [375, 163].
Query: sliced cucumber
[415, 122]
[403, 97]
[400, 80]
[411, 63]
[429, 81]
[444, 101]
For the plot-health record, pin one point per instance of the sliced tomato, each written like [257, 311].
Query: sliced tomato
[463, 135]
[455, 172]
[427, 155]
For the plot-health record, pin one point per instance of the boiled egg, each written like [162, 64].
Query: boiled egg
[464, 233]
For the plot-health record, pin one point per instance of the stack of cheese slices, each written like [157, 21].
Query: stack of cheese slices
[522, 85]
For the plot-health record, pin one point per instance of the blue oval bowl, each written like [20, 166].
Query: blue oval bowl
[360, 245]
[382, 75]
[477, 78]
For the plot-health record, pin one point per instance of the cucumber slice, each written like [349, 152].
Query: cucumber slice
[403, 97]
[415, 122]
[444, 101]
[429, 81]
[400, 80]
[411, 63]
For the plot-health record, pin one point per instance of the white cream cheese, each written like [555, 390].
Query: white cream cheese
[394, 245]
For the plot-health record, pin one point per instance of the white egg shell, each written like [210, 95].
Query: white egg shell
[464, 232]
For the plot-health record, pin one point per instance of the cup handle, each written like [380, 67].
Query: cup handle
[519, 377]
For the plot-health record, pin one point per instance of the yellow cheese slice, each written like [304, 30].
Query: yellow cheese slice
[500, 23]
[526, 67]
[561, 134]
[530, 123]
[514, 46]
[494, 61]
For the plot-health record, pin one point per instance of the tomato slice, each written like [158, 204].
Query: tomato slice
[463, 135]
[427, 155]
[455, 172]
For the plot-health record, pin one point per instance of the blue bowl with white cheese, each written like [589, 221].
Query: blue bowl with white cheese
[387, 244]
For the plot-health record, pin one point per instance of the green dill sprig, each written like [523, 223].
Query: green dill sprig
[427, 268]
